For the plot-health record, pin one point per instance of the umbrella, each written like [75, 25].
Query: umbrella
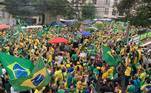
[85, 33]
[56, 24]
[58, 40]
[87, 22]
[4, 26]
[68, 22]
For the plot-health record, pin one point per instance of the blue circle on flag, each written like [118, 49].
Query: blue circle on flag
[38, 79]
[19, 71]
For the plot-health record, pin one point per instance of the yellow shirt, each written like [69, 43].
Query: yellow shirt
[50, 58]
[36, 91]
[128, 71]
[39, 91]
[79, 85]
[122, 52]
[143, 76]
[51, 51]
[127, 61]
[58, 75]
[105, 75]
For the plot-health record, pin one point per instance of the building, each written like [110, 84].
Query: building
[5, 17]
[104, 8]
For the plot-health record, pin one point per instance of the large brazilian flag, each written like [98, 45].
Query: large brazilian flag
[23, 74]
[40, 76]
[108, 57]
[16, 67]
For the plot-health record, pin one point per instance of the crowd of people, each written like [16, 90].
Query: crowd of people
[78, 66]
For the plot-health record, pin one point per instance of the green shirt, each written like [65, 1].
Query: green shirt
[61, 91]
[74, 57]
[131, 89]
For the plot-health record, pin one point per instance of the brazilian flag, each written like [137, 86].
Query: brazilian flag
[23, 74]
[16, 67]
[108, 57]
[40, 76]
[37, 80]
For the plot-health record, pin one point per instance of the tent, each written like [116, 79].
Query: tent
[55, 23]
[4, 26]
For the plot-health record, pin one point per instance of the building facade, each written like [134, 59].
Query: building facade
[104, 8]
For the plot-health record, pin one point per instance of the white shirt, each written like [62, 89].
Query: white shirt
[12, 90]
[83, 54]
[3, 71]
[60, 59]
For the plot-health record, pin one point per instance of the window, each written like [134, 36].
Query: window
[107, 2]
[115, 2]
[114, 12]
[94, 1]
[106, 11]
[83, 1]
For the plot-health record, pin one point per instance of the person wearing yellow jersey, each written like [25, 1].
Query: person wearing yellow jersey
[127, 74]
[51, 50]
[122, 52]
[127, 61]
[36, 42]
[79, 86]
[110, 73]
[58, 75]
[49, 58]
[128, 71]
[105, 75]
[50, 54]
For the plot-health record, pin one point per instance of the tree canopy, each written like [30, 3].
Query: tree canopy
[35, 7]
[20, 7]
[137, 11]
[88, 11]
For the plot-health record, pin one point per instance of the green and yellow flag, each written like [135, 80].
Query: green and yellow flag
[23, 74]
[40, 76]
[37, 80]
[16, 67]
[108, 57]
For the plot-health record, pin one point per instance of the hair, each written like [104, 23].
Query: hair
[131, 81]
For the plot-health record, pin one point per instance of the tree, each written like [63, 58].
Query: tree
[88, 11]
[39, 7]
[55, 7]
[20, 7]
[137, 11]
[125, 6]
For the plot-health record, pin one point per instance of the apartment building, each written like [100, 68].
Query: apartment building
[104, 8]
